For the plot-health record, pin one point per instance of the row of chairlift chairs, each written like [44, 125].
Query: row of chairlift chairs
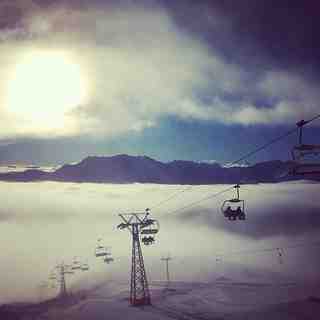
[103, 252]
[100, 251]
[69, 269]
[306, 161]
[77, 265]
[148, 229]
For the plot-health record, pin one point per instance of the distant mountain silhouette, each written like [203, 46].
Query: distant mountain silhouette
[142, 169]
[24, 176]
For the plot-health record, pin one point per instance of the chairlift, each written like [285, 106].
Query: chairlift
[150, 226]
[148, 240]
[85, 267]
[52, 277]
[108, 259]
[148, 229]
[305, 156]
[233, 209]
[101, 251]
[76, 265]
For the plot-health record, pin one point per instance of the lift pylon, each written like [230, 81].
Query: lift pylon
[166, 260]
[139, 288]
[63, 270]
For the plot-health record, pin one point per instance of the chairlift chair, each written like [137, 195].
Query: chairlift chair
[305, 156]
[150, 226]
[85, 267]
[108, 259]
[52, 277]
[233, 209]
[76, 265]
[148, 240]
[101, 251]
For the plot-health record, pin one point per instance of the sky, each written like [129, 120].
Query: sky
[194, 80]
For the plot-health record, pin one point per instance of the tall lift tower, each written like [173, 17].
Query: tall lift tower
[58, 275]
[139, 224]
[63, 270]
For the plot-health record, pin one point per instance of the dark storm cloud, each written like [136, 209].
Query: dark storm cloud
[285, 31]
[217, 62]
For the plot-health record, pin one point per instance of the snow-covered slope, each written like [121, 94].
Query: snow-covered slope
[198, 301]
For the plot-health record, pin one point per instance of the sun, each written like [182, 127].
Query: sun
[44, 88]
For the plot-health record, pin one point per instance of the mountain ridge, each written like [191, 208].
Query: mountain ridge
[123, 168]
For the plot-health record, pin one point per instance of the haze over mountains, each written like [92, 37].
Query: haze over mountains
[142, 169]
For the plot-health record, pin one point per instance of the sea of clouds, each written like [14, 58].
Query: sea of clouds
[42, 224]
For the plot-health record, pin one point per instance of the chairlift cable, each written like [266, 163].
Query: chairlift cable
[266, 145]
[244, 157]
[211, 196]
[174, 195]
[272, 249]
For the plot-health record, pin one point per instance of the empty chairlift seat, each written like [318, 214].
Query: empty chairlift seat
[76, 265]
[85, 267]
[100, 251]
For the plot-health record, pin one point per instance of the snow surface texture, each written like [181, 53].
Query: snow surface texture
[44, 223]
[223, 300]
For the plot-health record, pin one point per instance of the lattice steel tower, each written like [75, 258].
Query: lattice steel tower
[63, 287]
[63, 270]
[139, 223]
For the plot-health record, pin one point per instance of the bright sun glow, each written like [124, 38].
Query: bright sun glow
[45, 86]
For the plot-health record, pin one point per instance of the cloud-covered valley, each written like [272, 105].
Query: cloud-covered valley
[44, 223]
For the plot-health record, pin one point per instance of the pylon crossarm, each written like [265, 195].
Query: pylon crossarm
[126, 224]
[134, 219]
[122, 226]
[140, 220]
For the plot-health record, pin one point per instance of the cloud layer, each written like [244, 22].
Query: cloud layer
[67, 220]
[142, 68]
